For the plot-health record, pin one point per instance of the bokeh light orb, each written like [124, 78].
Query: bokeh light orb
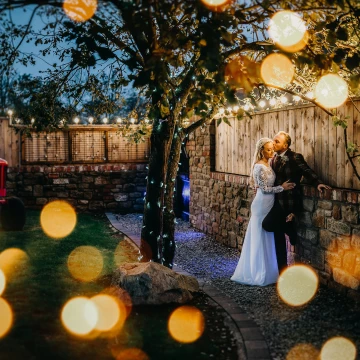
[6, 316]
[297, 285]
[58, 219]
[85, 263]
[14, 263]
[2, 282]
[288, 31]
[79, 316]
[303, 352]
[338, 348]
[216, 5]
[277, 70]
[132, 354]
[331, 91]
[186, 324]
[80, 10]
[108, 312]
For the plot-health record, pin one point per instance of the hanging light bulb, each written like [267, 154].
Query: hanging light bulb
[236, 108]
[132, 120]
[283, 99]
[32, 120]
[272, 102]
[76, 120]
[296, 98]
[91, 120]
[105, 120]
[221, 111]
[262, 103]
[246, 107]
[310, 94]
[119, 120]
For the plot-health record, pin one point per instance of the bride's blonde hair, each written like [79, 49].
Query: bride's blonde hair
[259, 147]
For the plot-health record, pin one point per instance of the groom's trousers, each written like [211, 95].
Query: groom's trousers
[281, 253]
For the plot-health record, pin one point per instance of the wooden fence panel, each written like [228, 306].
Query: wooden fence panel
[9, 143]
[313, 134]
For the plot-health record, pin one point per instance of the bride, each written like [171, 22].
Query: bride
[257, 264]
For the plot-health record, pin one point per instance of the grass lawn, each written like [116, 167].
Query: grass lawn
[37, 293]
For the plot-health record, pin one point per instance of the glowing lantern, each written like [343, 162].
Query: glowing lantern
[186, 324]
[79, 316]
[288, 31]
[85, 263]
[80, 10]
[297, 285]
[58, 219]
[277, 70]
[331, 91]
[338, 348]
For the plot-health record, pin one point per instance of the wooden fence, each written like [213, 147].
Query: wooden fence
[313, 134]
[77, 144]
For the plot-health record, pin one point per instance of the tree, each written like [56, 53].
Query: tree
[180, 56]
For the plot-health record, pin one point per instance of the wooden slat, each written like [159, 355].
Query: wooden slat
[340, 150]
[356, 132]
[349, 172]
[292, 127]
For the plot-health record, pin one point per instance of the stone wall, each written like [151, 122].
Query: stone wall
[118, 187]
[328, 228]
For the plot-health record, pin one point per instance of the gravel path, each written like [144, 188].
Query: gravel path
[328, 314]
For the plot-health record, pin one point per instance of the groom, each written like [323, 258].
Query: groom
[288, 166]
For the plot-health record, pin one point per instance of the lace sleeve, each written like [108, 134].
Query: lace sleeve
[261, 180]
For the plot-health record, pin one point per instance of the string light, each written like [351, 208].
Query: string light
[76, 120]
[283, 99]
[262, 103]
[119, 120]
[105, 120]
[272, 102]
[91, 120]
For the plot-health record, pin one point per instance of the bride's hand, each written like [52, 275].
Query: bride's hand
[288, 185]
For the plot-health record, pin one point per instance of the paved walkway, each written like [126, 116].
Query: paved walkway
[251, 342]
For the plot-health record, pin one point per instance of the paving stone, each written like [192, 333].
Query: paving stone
[252, 334]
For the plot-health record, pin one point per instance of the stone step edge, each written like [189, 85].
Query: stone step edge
[252, 344]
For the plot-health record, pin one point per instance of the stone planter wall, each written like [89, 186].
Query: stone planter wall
[328, 228]
[119, 187]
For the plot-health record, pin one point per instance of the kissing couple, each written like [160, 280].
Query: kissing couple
[276, 173]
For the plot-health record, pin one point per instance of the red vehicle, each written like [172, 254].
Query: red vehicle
[12, 209]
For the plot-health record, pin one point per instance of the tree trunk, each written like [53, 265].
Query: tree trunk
[151, 233]
[169, 215]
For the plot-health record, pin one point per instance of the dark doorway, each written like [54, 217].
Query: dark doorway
[182, 186]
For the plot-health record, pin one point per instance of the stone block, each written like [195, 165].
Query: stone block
[308, 205]
[355, 240]
[344, 278]
[350, 213]
[333, 258]
[233, 213]
[338, 227]
[244, 212]
[101, 180]
[349, 261]
[121, 197]
[324, 204]
[343, 242]
[87, 179]
[305, 218]
[317, 258]
[83, 202]
[328, 240]
[318, 219]
[232, 239]
[38, 190]
[96, 205]
[88, 195]
[336, 212]
[41, 201]
[328, 213]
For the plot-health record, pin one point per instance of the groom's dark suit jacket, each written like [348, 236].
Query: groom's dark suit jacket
[293, 167]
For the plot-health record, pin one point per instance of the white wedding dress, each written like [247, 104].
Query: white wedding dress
[258, 264]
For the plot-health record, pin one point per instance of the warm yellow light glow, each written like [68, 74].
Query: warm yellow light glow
[6, 316]
[277, 69]
[14, 263]
[310, 95]
[85, 263]
[331, 91]
[58, 219]
[288, 31]
[283, 99]
[338, 348]
[132, 354]
[303, 352]
[2, 282]
[262, 103]
[297, 285]
[297, 98]
[79, 316]
[216, 3]
[186, 324]
[80, 10]
[108, 312]
[272, 102]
